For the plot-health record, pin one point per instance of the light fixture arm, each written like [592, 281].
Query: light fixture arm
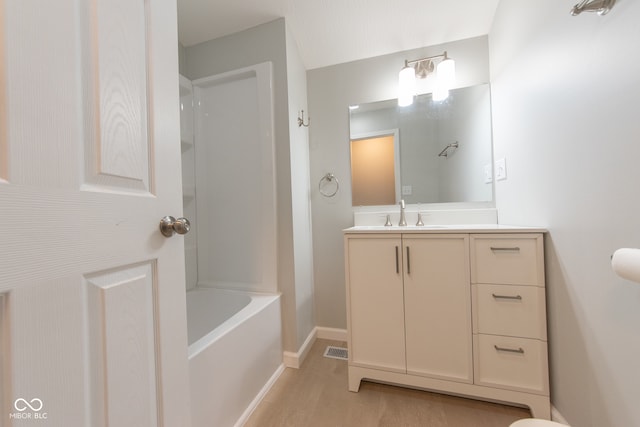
[425, 66]
[428, 58]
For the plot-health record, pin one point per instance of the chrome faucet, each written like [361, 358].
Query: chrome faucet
[403, 220]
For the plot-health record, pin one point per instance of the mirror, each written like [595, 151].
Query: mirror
[428, 152]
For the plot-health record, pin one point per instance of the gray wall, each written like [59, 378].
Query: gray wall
[331, 90]
[565, 108]
[300, 194]
[268, 42]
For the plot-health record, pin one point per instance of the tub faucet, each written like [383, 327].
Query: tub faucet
[403, 220]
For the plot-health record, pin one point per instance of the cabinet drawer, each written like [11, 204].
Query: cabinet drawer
[511, 363]
[507, 259]
[517, 311]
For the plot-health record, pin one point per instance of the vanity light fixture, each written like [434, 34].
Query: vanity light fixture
[420, 69]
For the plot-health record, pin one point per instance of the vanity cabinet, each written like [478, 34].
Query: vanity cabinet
[410, 305]
[460, 313]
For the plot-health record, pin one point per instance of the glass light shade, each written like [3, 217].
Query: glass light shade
[440, 93]
[446, 73]
[406, 86]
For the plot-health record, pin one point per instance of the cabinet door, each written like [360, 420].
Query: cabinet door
[375, 302]
[438, 307]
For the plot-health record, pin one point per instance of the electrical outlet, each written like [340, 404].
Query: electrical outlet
[407, 190]
[501, 169]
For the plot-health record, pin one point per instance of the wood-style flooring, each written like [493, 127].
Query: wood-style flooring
[316, 395]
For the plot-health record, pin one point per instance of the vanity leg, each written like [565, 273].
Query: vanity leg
[540, 407]
[354, 381]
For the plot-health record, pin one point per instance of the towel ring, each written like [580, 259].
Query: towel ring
[328, 181]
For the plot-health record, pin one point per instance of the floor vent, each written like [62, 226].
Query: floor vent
[336, 353]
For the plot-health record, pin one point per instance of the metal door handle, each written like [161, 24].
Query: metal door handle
[397, 263]
[517, 297]
[509, 350]
[498, 249]
[170, 225]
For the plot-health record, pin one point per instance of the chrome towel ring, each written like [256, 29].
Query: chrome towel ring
[328, 185]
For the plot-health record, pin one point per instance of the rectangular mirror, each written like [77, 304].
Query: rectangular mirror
[428, 152]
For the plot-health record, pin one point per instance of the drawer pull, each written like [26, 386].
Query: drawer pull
[497, 249]
[509, 350]
[517, 297]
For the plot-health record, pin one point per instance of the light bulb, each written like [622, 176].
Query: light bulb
[445, 79]
[446, 73]
[406, 86]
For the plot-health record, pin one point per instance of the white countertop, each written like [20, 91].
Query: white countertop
[453, 228]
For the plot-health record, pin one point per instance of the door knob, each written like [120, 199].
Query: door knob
[170, 225]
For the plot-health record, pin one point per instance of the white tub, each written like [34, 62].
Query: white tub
[235, 351]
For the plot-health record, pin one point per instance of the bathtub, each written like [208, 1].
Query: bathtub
[235, 353]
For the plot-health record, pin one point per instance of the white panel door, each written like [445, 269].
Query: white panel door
[92, 296]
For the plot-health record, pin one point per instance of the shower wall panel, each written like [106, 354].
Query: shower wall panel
[235, 180]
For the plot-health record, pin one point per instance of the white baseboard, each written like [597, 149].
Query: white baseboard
[295, 360]
[263, 392]
[557, 416]
[331, 333]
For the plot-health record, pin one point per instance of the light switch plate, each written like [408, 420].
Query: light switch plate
[488, 174]
[501, 169]
[407, 190]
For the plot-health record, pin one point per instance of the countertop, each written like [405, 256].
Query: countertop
[439, 229]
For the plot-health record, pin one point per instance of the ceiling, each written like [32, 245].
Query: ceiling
[331, 32]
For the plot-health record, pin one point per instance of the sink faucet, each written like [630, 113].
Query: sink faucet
[403, 220]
